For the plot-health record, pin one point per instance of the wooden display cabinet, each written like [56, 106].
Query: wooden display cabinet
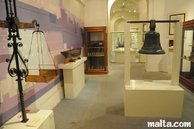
[187, 60]
[95, 39]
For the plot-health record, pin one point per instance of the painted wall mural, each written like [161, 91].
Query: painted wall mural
[63, 29]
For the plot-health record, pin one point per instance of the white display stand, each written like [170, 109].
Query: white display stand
[162, 98]
[119, 56]
[74, 77]
[42, 119]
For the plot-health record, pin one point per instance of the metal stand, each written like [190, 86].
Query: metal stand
[20, 73]
[13, 25]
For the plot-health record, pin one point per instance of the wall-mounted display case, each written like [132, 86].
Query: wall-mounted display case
[95, 40]
[187, 56]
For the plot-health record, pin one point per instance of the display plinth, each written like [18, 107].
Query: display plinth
[74, 77]
[119, 56]
[157, 98]
[42, 119]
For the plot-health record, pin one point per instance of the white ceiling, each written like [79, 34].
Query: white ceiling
[125, 9]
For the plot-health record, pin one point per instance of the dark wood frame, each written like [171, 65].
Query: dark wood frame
[179, 16]
[188, 25]
[86, 42]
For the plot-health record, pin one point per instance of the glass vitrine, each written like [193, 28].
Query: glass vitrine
[117, 39]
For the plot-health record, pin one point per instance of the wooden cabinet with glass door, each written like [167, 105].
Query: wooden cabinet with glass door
[187, 60]
[95, 40]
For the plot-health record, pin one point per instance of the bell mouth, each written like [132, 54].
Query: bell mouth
[154, 52]
[152, 44]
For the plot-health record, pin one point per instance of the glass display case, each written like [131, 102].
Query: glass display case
[187, 56]
[117, 39]
[95, 49]
[134, 40]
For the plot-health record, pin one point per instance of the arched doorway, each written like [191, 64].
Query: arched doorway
[119, 12]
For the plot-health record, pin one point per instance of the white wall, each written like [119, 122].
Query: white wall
[50, 99]
[177, 6]
[180, 6]
[74, 7]
[95, 13]
[161, 11]
[142, 9]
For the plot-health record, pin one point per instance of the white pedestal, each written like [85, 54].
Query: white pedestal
[119, 56]
[160, 98]
[153, 99]
[47, 121]
[74, 77]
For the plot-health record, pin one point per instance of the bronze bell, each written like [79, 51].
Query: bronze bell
[152, 41]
